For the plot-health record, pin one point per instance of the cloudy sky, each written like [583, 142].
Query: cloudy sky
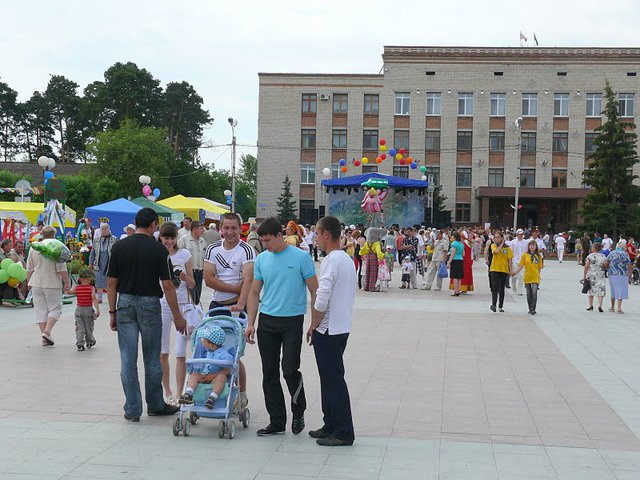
[220, 46]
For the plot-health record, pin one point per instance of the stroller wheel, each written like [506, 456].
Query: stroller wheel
[176, 427]
[232, 429]
[246, 416]
[186, 427]
[222, 429]
[193, 418]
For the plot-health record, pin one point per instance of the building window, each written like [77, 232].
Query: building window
[432, 141]
[463, 212]
[589, 146]
[498, 104]
[465, 140]
[626, 104]
[528, 177]
[402, 103]
[339, 139]
[336, 171]
[369, 168]
[528, 142]
[435, 171]
[530, 104]
[400, 171]
[370, 140]
[496, 141]
[371, 103]
[558, 178]
[309, 102]
[434, 104]
[401, 139]
[496, 177]
[560, 142]
[594, 104]
[308, 138]
[463, 177]
[340, 102]
[561, 105]
[308, 173]
[465, 104]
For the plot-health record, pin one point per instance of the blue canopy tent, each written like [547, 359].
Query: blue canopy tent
[120, 212]
[402, 205]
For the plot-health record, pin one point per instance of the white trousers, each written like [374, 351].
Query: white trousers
[560, 254]
[517, 283]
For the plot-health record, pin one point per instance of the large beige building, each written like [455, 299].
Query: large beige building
[480, 119]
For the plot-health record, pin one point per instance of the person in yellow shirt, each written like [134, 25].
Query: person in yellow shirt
[532, 264]
[499, 269]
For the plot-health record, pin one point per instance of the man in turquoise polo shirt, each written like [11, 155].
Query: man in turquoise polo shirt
[286, 272]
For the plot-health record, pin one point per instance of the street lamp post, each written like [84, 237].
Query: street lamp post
[326, 173]
[233, 123]
[47, 164]
[518, 123]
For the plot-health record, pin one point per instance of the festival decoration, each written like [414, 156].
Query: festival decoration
[382, 141]
[372, 204]
[383, 148]
[54, 213]
[326, 172]
[401, 161]
[413, 166]
[342, 162]
[344, 169]
[379, 183]
[403, 151]
[12, 273]
[146, 190]
[365, 160]
[356, 163]
[399, 156]
[156, 193]
[409, 159]
[378, 159]
[423, 169]
[392, 152]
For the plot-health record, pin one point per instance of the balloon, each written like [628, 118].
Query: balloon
[399, 156]
[326, 172]
[401, 161]
[48, 174]
[13, 282]
[15, 270]
[423, 178]
[4, 276]
[403, 151]
[344, 169]
[378, 160]
[4, 265]
[357, 163]
[392, 152]
[365, 160]
[342, 162]
[409, 159]
[46, 181]
[156, 192]
[383, 148]
[423, 169]
[383, 156]
[382, 141]
[414, 165]
[146, 190]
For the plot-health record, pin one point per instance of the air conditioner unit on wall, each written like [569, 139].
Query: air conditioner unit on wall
[325, 96]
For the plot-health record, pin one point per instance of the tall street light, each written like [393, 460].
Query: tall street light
[518, 124]
[233, 122]
[47, 164]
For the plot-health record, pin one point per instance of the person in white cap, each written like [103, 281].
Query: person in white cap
[128, 231]
[560, 243]
[518, 247]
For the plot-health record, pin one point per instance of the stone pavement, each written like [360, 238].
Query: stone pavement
[441, 387]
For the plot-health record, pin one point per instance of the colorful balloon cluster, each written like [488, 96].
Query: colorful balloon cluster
[145, 180]
[399, 155]
[12, 272]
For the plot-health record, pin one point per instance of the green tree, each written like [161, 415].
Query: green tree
[612, 204]
[286, 206]
[81, 191]
[62, 96]
[37, 126]
[249, 168]
[8, 107]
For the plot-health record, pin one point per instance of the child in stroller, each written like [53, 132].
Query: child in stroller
[212, 339]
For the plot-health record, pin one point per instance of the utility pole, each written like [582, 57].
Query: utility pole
[430, 189]
[518, 124]
[233, 122]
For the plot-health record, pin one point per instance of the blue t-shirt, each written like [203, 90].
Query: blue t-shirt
[459, 246]
[283, 275]
[219, 354]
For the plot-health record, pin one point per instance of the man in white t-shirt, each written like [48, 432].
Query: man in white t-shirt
[606, 242]
[519, 247]
[560, 243]
[186, 227]
[228, 270]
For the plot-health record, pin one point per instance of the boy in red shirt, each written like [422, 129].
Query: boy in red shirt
[85, 314]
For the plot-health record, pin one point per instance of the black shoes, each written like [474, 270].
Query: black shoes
[320, 433]
[501, 310]
[210, 403]
[270, 430]
[590, 309]
[131, 419]
[493, 308]
[81, 348]
[167, 410]
[297, 425]
[186, 399]
[600, 309]
[333, 442]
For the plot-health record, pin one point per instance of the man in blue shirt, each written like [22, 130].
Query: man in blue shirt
[286, 272]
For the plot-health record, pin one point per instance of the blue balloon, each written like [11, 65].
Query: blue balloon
[414, 165]
[392, 152]
[228, 201]
[343, 162]
[156, 192]
[48, 174]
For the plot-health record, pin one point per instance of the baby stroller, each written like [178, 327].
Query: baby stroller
[227, 405]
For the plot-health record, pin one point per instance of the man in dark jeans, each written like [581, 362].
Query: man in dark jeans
[138, 264]
[285, 272]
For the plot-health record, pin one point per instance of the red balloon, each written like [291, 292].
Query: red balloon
[383, 156]
[402, 161]
[403, 151]
[357, 163]
[382, 141]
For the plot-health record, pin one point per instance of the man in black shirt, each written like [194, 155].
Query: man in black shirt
[138, 264]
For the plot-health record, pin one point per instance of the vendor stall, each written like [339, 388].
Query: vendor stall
[197, 208]
[165, 213]
[119, 212]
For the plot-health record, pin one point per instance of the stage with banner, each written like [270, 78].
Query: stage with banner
[402, 199]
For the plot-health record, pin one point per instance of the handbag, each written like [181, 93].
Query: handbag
[442, 271]
[193, 314]
[586, 285]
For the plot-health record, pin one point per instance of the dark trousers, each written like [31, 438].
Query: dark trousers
[278, 335]
[196, 292]
[498, 283]
[336, 405]
[532, 295]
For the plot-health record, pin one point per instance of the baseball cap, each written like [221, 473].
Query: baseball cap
[519, 231]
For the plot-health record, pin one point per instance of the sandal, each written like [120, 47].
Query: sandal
[47, 338]
[619, 311]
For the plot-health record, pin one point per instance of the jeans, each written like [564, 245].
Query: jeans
[276, 335]
[196, 292]
[498, 283]
[140, 316]
[334, 393]
[532, 295]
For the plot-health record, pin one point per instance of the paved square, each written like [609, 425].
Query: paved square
[441, 387]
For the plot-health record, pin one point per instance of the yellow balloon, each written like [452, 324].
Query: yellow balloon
[383, 148]
[365, 160]
[399, 156]
[13, 282]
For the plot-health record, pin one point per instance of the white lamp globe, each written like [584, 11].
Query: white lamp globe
[43, 161]
[227, 193]
[51, 163]
[326, 172]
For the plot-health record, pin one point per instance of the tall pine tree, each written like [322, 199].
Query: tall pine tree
[286, 206]
[612, 206]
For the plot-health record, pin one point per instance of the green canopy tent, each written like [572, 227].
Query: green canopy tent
[165, 213]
